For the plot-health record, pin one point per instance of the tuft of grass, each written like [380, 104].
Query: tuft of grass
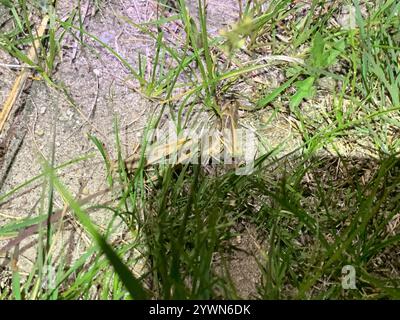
[316, 208]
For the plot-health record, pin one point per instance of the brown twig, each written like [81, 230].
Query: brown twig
[54, 218]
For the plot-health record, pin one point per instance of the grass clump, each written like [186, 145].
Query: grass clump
[329, 202]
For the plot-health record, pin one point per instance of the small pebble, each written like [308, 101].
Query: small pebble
[327, 83]
[69, 114]
[97, 72]
[348, 18]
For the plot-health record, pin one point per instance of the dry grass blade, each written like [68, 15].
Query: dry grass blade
[21, 79]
